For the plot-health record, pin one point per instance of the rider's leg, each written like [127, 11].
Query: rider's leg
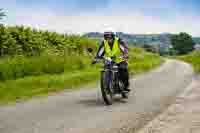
[124, 75]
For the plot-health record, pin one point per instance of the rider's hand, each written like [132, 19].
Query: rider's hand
[125, 55]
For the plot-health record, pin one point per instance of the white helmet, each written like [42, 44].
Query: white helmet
[109, 31]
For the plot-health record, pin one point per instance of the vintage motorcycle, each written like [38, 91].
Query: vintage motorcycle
[110, 83]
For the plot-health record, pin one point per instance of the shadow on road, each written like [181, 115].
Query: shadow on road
[92, 102]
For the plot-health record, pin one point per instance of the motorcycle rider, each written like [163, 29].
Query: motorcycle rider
[114, 46]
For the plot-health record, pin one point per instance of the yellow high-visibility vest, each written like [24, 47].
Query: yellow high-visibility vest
[115, 51]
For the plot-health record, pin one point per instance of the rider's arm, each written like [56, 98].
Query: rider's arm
[123, 47]
[101, 51]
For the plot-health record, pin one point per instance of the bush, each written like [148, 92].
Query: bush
[26, 41]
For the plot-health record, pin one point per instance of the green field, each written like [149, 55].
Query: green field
[42, 62]
[192, 58]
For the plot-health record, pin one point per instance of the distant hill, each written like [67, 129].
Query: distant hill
[140, 39]
[197, 40]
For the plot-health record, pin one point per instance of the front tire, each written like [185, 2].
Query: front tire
[106, 88]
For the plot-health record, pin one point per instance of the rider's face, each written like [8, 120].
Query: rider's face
[109, 39]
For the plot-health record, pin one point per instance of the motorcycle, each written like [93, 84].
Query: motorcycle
[110, 82]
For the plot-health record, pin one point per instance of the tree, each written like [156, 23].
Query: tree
[182, 43]
[2, 14]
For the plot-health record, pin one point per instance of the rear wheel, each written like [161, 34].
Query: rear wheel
[124, 95]
[106, 87]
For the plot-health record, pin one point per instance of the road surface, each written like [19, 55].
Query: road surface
[183, 116]
[84, 112]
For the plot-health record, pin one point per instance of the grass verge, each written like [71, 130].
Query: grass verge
[192, 58]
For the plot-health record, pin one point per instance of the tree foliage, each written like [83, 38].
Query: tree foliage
[28, 41]
[182, 43]
[2, 14]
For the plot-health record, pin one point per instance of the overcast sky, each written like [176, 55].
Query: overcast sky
[132, 16]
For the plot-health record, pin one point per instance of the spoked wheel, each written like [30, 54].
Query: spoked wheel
[106, 89]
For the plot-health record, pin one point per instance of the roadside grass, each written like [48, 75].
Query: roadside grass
[23, 78]
[192, 58]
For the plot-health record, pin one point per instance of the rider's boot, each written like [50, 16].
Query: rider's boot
[127, 87]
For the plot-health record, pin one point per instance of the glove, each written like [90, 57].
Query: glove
[126, 56]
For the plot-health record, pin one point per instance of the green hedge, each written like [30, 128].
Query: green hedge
[27, 41]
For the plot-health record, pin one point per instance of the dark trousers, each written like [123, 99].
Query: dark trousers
[123, 73]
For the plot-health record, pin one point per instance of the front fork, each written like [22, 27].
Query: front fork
[112, 81]
[116, 82]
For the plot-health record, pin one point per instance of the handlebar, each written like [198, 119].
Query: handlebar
[110, 59]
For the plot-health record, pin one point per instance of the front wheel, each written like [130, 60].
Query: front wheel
[106, 87]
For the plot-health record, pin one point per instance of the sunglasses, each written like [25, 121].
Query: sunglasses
[108, 38]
